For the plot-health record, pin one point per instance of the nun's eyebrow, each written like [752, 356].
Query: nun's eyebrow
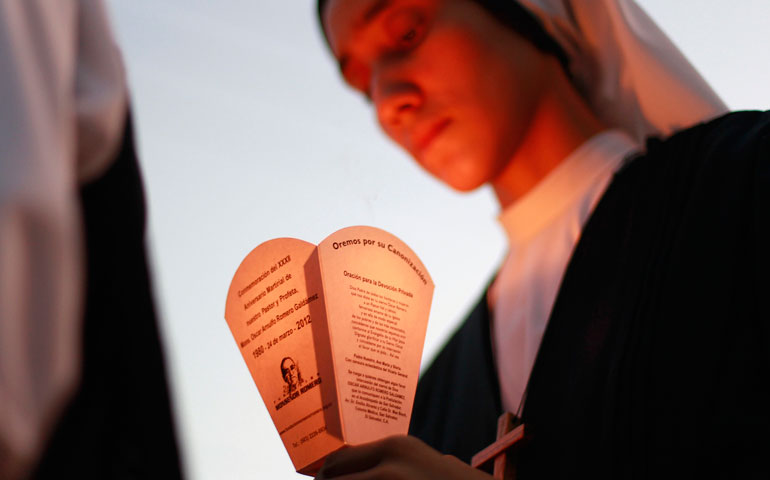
[375, 9]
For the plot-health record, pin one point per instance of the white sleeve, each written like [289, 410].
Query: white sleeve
[41, 252]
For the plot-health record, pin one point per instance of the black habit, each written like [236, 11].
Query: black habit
[655, 362]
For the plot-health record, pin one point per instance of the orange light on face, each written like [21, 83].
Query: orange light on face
[451, 85]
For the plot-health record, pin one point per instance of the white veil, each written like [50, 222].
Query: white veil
[631, 74]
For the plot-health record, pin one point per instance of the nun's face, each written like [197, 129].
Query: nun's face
[451, 85]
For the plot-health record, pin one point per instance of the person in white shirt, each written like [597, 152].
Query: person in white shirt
[71, 370]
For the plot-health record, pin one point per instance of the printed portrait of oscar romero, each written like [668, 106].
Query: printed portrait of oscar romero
[291, 375]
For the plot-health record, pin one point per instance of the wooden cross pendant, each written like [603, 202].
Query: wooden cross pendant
[509, 436]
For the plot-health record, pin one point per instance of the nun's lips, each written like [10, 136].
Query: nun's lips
[425, 136]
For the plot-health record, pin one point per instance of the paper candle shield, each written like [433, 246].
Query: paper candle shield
[332, 336]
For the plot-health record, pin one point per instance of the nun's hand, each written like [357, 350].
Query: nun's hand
[396, 458]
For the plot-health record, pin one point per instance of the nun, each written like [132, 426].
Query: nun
[628, 327]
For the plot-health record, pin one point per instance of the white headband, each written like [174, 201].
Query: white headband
[633, 77]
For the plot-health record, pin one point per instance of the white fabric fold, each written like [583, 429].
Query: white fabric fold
[629, 71]
[63, 99]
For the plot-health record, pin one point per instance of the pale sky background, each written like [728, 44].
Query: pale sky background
[246, 133]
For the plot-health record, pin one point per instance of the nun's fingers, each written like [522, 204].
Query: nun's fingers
[395, 458]
[352, 459]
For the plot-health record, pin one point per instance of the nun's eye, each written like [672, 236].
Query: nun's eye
[406, 27]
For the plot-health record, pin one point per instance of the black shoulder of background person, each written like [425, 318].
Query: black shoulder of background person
[119, 423]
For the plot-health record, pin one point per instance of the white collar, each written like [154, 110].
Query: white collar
[596, 158]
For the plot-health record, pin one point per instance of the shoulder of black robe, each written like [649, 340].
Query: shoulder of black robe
[665, 370]
[656, 359]
[119, 423]
[458, 397]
